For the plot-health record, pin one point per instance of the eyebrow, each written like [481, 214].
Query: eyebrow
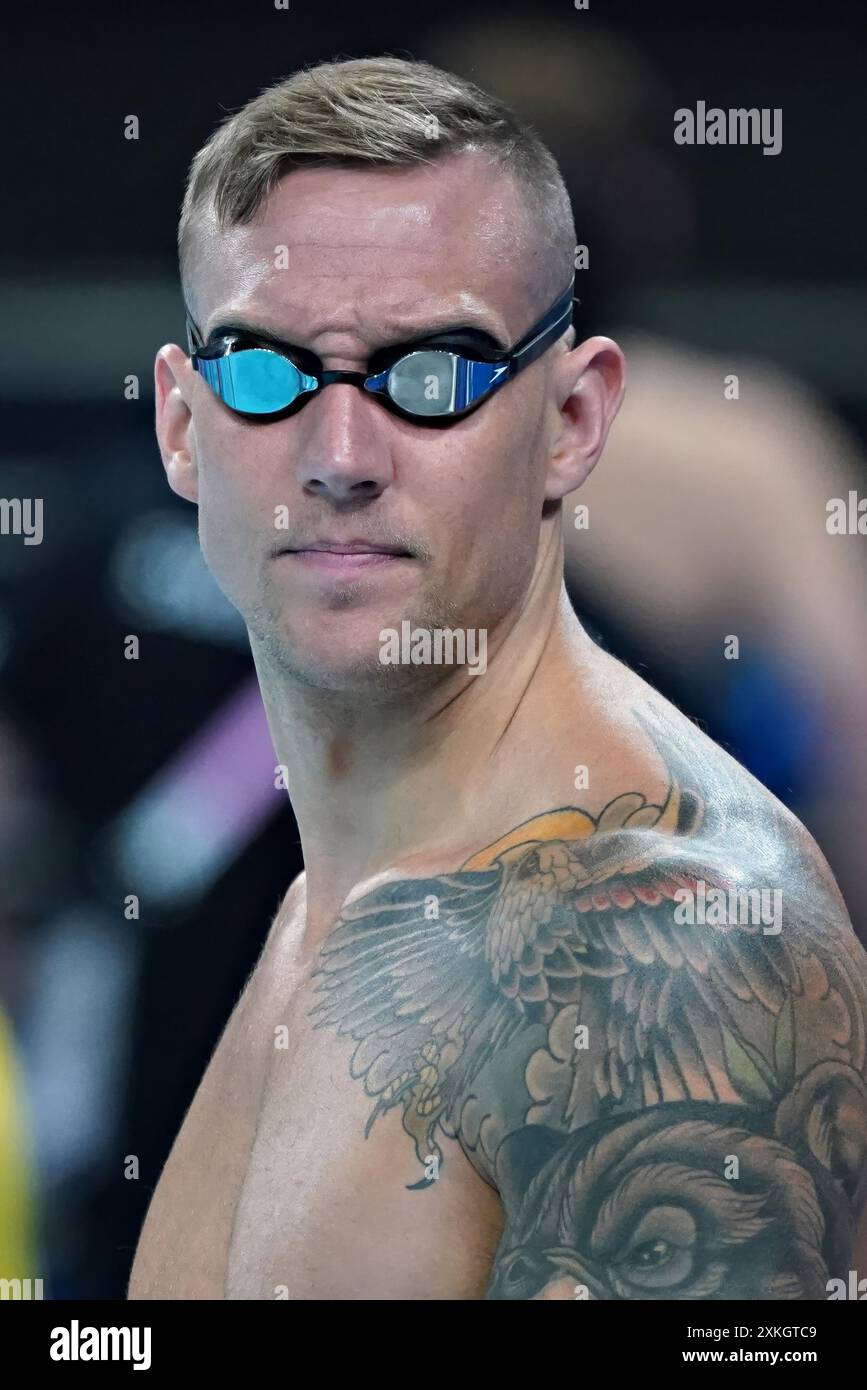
[470, 334]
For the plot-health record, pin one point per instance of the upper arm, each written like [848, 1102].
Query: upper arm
[690, 1119]
[669, 1108]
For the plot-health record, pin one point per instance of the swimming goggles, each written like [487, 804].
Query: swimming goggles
[260, 378]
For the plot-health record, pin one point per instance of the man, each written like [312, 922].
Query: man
[565, 1004]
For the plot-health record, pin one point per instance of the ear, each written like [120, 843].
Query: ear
[174, 379]
[827, 1111]
[589, 382]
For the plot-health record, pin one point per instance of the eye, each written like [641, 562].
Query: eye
[662, 1249]
[525, 1275]
[529, 866]
[423, 383]
[652, 1255]
[521, 1270]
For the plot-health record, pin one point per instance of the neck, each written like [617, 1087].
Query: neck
[374, 785]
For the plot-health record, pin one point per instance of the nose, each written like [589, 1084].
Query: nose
[344, 451]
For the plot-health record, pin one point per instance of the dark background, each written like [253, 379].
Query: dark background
[116, 1019]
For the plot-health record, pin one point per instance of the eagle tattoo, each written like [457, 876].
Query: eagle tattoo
[553, 992]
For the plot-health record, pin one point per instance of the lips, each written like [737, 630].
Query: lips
[346, 557]
[354, 547]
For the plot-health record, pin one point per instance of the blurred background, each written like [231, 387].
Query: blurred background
[142, 848]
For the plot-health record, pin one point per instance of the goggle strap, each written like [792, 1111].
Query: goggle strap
[194, 337]
[552, 327]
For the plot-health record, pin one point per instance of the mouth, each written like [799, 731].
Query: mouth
[345, 557]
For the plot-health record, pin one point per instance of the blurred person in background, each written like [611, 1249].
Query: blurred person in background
[708, 520]
[17, 1217]
[30, 859]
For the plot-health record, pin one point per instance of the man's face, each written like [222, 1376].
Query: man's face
[372, 258]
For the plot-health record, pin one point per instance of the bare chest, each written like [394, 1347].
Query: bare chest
[288, 1180]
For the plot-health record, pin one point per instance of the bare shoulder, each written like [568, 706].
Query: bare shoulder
[645, 1024]
[691, 1119]
[290, 911]
[715, 806]
[294, 898]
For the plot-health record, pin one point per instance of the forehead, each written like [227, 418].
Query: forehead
[372, 251]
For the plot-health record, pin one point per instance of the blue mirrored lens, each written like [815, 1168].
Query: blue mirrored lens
[255, 380]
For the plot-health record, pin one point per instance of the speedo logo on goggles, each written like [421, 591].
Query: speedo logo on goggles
[260, 378]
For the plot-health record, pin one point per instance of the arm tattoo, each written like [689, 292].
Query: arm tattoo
[648, 1030]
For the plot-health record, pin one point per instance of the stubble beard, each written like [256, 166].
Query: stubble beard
[364, 676]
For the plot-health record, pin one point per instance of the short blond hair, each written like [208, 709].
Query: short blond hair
[363, 112]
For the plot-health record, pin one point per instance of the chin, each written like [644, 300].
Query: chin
[351, 667]
[342, 649]
[333, 661]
